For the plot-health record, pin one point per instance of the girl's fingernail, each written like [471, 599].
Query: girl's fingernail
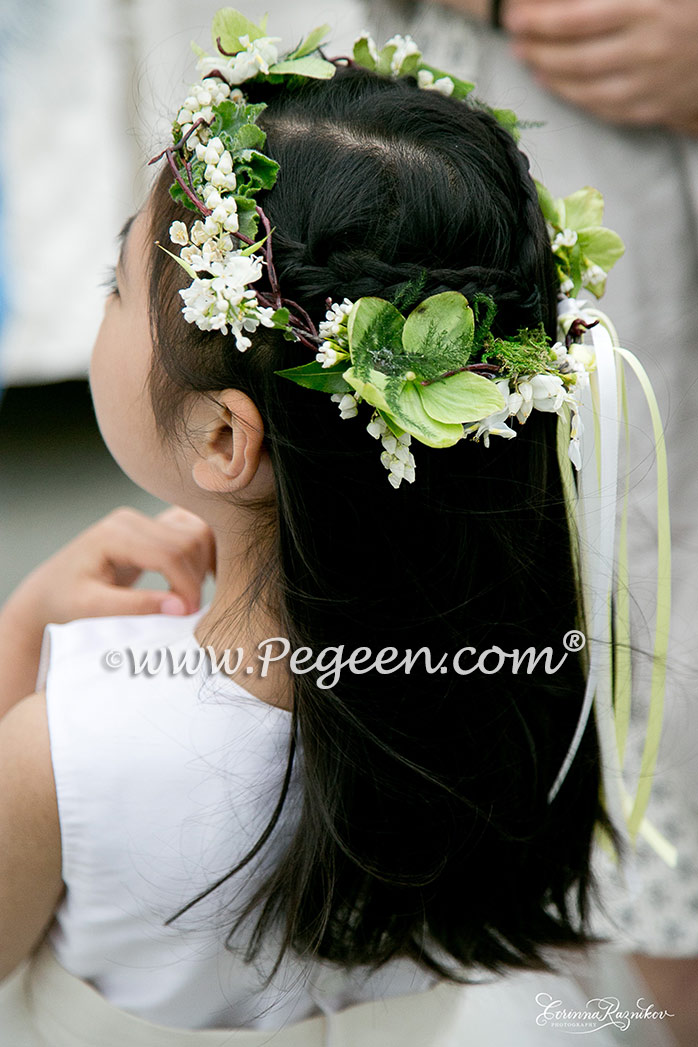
[173, 605]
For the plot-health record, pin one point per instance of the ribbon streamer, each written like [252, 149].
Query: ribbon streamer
[604, 574]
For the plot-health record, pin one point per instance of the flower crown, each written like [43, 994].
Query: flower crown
[436, 373]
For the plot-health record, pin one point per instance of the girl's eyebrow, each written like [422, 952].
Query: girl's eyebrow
[122, 238]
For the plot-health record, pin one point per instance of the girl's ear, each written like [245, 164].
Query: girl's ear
[231, 446]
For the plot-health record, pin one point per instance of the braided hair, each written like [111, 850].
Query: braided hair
[420, 826]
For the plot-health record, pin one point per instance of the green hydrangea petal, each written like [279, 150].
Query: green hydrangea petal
[462, 397]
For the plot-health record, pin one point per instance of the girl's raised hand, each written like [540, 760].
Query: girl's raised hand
[93, 575]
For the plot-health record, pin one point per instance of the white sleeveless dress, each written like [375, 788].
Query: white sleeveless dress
[164, 781]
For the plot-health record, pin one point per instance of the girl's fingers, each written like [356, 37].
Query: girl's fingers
[129, 541]
[101, 600]
[198, 528]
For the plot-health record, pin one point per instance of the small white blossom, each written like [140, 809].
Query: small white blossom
[254, 57]
[567, 285]
[593, 275]
[493, 425]
[404, 48]
[347, 403]
[179, 233]
[376, 427]
[192, 255]
[327, 355]
[567, 238]
[548, 392]
[444, 84]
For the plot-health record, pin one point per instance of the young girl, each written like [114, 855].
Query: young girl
[247, 849]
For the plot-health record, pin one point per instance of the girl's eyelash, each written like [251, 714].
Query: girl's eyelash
[109, 280]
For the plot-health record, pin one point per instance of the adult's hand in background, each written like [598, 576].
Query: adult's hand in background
[625, 61]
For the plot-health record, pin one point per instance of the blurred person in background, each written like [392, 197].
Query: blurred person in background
[612, 89]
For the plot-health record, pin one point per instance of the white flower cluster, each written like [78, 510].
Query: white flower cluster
[255, 57]
[396, 456]
[547, 392]
[198, 105]
[221, 300]
[334, 330]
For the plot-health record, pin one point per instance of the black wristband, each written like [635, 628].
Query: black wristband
[496, 14]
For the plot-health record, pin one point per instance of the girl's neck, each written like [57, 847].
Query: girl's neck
[230, 623]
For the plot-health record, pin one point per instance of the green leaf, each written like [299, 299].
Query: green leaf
[575, 268]
[410, 65]
[230, 118]
[583, 209]
[374, 329]
[441, 326]
[281, 317]
[180, 261]
[549, 206]
[601, 246]
[311, 43]
[385, 57]
[371, 389]
[395, 429]
[253, 248]
[312, 67]
[230, 25]
[462, 397]
[246, 138]
[178, 194]
[260, 170]
[408, 410]
[315, 376]
[509, 121]
[248, 220]
[362, 53]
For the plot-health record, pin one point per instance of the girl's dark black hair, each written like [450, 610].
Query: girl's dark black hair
[420, 827]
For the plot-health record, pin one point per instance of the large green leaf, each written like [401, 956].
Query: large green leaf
[583, 209]
[462, 397]
[230, 25]
[372, 389]
[315, 376]
[374, 328]
[312, 66]
[311, 42]
[601, 246]
[407, 409]
[441, 327]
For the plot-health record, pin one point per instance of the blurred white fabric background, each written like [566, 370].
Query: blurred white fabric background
[92, 88]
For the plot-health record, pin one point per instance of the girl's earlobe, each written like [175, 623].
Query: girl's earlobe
[231, 448]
